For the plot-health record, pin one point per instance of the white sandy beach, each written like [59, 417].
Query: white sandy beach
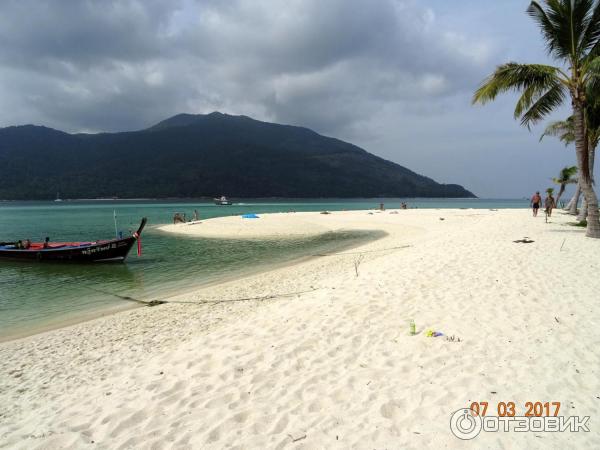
[322, 357]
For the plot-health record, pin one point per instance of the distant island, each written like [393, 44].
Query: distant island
[200, 155]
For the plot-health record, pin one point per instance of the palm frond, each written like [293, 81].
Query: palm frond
[561, 39]
[536, 78]
[562, 129]
[592, 77]
[581, 16]
[566, 176]
[591, 36]
[544, 105]
[593, 102]
[594, 51]
[547, 26]
[570, 27]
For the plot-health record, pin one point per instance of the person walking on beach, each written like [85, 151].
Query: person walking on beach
[549, 204]
[536, 201]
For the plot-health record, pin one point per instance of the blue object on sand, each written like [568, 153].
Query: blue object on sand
[250, 216]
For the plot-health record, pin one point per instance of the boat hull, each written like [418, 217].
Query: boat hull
[105, 251]
[114, 250]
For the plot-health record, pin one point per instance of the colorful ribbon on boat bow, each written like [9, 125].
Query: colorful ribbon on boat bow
[139, 243]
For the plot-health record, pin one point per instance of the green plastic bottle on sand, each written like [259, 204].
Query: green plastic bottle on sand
[412, 327]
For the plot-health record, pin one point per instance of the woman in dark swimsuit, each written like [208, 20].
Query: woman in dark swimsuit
[536, 201]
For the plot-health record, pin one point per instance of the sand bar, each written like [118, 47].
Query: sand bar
[322, 357]
[288, 225]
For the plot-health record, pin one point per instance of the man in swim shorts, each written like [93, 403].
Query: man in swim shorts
[536, 201]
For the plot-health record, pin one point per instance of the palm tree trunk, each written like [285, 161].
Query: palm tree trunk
[592, 156]
[560, 192]
[585, 209]
[583, 212]
[581, 147]
[572, 206]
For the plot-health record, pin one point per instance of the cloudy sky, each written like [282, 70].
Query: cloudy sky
[395, 77]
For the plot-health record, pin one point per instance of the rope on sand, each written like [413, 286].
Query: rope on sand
[205, 302]
[246, 299]
[129, 299]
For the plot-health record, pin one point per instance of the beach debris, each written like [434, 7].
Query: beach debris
[412, 327]
[556, 318]
[433, 333]
[453, 338]
[250, 216]
[357, 262]
[324, 212]
[393, 212]
[297, 436]
[441, 218]
[563, 243]
[525, 240]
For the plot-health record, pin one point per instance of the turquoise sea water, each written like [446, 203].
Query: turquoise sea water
[33, 296]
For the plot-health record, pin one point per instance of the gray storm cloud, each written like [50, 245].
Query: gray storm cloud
[101, 65]
[381, 74]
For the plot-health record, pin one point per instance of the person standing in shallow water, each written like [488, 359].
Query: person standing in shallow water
[536, 201]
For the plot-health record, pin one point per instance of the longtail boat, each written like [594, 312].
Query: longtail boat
[113, 250]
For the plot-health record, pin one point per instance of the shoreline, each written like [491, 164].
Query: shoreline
[320, 351]
[108, 310]
[211, 199]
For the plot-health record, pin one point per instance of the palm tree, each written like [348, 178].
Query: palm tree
[564, 131]
[571, 29]
[565, 177]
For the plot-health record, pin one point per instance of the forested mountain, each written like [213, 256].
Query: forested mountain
[200, 156]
